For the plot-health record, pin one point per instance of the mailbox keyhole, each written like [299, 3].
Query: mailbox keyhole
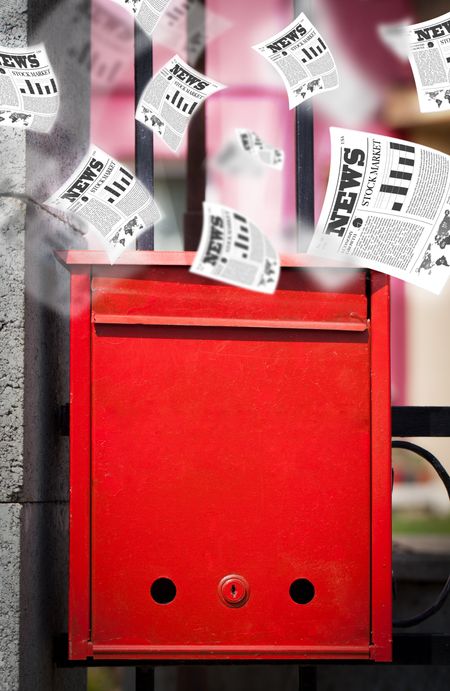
[233, 590]
[302, 591]
[163, 591]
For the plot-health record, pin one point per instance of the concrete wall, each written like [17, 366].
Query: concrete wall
[13, 32]
[34, 357]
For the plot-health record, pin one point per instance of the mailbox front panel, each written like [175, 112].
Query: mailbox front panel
[222, 450]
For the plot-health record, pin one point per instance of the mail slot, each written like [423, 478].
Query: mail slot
[230, 464]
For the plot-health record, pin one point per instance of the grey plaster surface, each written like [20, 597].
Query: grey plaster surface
[34, 357]
[9, 595]
[11, 323]
[64, 28]
[13, 32]
[43, 616]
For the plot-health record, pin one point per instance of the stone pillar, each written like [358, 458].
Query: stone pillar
[34, 356]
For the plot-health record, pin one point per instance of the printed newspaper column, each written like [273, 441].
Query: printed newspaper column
[187, 27]
[395, 37]
[252, 143]
[104, 195]
[171, 98]
[303, 60]
[29, 93]
[146, 12]
[233, 250]
[387, 207]
[429, 55]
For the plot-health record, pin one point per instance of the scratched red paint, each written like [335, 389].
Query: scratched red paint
[215, 431]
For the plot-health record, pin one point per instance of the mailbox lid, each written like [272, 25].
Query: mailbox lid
[157, 288]
[219, 450]
[171, 295]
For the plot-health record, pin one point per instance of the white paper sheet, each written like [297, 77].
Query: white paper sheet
[233, 250]
[106, 196]
[302, 58]
[387, 207]
[171, 98]
[29, 92]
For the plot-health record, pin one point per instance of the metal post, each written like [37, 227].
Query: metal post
[143, 70]
[304, 136]
[196, 157]
[145, 679]
[307, 678]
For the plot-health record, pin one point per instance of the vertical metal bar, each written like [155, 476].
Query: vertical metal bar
[304, 126]
[304, 146]
[196, 157]
[307, 678]
[145, 679]
[143, 70]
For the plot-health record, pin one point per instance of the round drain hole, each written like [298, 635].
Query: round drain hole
[163, 591]
[302, 591]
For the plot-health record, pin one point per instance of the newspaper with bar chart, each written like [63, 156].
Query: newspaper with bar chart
[29, 94]
[171, 98]
[302, 58]
[106, 197]
[387, 207]
[429, 55]
[233, 250]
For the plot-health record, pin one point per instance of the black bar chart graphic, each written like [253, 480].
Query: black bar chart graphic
[119, 186]
[29, 89]
[180, 103]
[243, 238]
[313, 52]
[39, 88]
[398, 176]
[398, 146]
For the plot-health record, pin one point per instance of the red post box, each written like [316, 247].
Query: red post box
[230, 464]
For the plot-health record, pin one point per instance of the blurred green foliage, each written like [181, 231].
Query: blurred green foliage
[425, 523]
[103, 679]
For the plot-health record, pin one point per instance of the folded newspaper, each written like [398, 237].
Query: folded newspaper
[105, 196]
[387, 207]
[186, 28]
[233, 250]
[147, 12]
[429, 55]
[171, 98]
[303, 60]
[29, 93]
[252, 143]
[394, 35]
